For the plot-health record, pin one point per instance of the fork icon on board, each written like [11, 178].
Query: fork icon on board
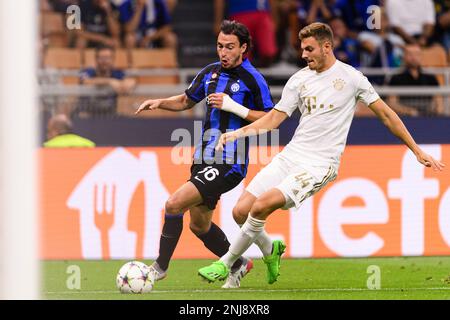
[103, 219]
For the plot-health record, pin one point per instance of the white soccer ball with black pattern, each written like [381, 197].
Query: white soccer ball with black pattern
[135, 277]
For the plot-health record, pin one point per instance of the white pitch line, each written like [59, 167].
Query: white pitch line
[257, 290]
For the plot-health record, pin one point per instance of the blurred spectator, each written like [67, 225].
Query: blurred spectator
[100, 25]
[310, 11]
[146, 23]
[354, 13]
[413, 76]
[60, 134]
[382, 48]
[259, 17]
[346, 49]
[286, 37]
[413, 20]
[383, 45]
[302, 13]
[442, 28]
[61, 5]
[104, 75]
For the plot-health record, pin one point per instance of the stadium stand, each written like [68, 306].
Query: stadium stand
[435, 56]
[155, 58]
[161, 72]
[121, 59]
[53, 29]
[64, 58]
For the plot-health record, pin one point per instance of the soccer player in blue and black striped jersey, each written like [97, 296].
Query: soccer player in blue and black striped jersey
[213, 174]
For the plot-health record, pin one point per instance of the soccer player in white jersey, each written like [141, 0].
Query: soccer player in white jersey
[326, 93]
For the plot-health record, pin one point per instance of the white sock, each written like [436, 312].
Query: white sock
[263, 242]
[251, 229]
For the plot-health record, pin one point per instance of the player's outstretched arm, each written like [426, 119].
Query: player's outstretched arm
[269, 121]
[391, 120]
[174, 103]
[224, 102]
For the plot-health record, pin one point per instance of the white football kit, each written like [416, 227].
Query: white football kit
[327, 102]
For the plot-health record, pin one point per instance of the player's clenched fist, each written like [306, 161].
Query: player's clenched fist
[151, 104]
[225, 103]
[228, 137]
[215, 100]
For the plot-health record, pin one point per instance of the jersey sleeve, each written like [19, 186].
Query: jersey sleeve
[262, 96]
[289, 98]
[365, 91]
[196, 90]
[86, 74]
[118, 74]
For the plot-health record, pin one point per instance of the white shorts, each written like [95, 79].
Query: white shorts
[296, 181]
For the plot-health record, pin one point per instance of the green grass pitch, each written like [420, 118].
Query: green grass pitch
[400, 278]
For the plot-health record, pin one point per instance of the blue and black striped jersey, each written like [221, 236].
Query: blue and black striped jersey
[245, 85]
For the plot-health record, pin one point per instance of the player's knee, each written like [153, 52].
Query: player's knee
[260, 209]
[240, 214]
[198, 227]
[173, 206]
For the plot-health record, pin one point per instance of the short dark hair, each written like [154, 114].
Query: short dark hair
[239, 30]
[319, 31]
[104, 47]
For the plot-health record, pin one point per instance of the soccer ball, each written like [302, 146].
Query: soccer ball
[135, 277]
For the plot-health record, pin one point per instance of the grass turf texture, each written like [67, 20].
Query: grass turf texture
[401, 278]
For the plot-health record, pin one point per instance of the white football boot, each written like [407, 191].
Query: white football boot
[234, 279]
[158, 273]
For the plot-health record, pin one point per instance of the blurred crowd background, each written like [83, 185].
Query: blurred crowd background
[125, 51]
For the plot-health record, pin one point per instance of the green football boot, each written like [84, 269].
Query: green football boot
[273, 261]
[216, 271]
